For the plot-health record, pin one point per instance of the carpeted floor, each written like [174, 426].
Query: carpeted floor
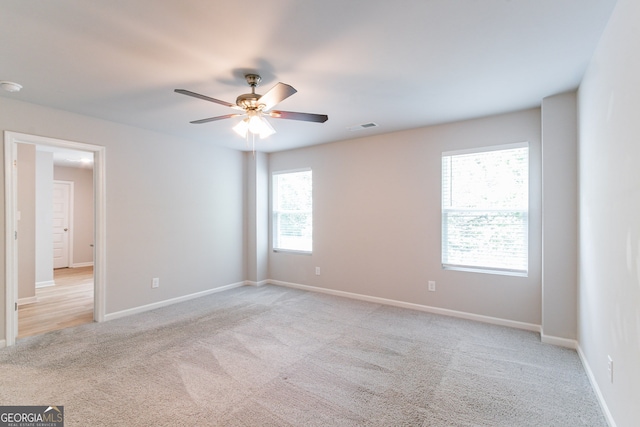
[273, 356]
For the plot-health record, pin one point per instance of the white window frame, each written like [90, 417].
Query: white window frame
[524, 211]
[276, 213]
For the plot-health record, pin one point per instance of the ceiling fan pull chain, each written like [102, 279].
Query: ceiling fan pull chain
[253, 149]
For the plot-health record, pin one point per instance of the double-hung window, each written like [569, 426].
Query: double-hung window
[485, 209]
[292, 211]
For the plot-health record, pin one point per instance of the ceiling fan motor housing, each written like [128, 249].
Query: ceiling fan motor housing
[253, 79]
[249, 101]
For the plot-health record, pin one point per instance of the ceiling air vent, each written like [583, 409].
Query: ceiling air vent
[362, 126]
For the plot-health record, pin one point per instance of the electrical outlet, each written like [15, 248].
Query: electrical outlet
[317, 271]
[155, 282]
[432, 286]
[610, 367]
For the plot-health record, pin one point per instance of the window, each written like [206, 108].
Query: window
[292, 211]
[485, 203]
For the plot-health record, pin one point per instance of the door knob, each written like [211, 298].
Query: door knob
[65, 229]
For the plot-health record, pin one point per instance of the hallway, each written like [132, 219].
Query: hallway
[68, 303]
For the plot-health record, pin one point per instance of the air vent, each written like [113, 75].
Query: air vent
[362, 126]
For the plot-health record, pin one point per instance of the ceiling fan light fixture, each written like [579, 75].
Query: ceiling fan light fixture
[258, 125]
[255, 124]
[10, 86]
[267, 130]
[242, 127]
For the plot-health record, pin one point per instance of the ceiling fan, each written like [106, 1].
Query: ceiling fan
[255, 108]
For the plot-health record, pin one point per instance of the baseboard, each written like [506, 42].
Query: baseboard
[596, 388]
[252, 283]
[560, 342]
[28, 300]
[159, 304]
[45, 284]
[429, 309]
[81, 264]
[3, 343]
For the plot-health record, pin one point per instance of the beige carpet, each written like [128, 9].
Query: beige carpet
[273, 356]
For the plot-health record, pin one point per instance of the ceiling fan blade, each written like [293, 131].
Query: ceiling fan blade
[206, 98]
[276, 94]
[213, 119]
[306, 117]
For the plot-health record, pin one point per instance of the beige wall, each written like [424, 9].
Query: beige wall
[174, 207]
[83, 217]
[257, 217]
[27, 222]
[377, 219]
[559, 216]
[44, 218]
[609, 249]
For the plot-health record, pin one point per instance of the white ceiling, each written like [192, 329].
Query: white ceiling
[399, 63]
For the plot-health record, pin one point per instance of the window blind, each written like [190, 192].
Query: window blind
[292, 211]
[485, 204]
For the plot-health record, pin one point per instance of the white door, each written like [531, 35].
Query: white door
[60, 220]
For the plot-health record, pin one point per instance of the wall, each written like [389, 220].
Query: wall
[609, 249]
[27, 222]
[377, 219]
[82, 179]
[44, 218]
[174, 207]
[559, 217]
[257, 217]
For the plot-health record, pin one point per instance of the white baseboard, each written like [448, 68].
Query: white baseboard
[596, 388]
[3, 343]
[82, 264]
[435, 310]
[252, 283]
[560, 342]
[28, 300]
[159, 304]
[45, 284]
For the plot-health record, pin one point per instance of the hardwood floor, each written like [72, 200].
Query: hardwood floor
[68, 303]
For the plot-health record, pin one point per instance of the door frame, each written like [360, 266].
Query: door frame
[69, 218]
[11, 139]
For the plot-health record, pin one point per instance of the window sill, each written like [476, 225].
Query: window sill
[515, 273]
[292, 251]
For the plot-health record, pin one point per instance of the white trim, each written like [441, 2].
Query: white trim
[3, 343]
[257, 284]
[82, 264]
[165, 303]
[11, 247]
[279, 172]
[486, 270]
[435, 310]
[292, 251]
[274, 214]
[596, 389]
[27, 300]
[500, 147]
[11, 139]
[45, 284]
[560, 342]
[100, 234]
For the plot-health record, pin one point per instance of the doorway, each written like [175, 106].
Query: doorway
[12, 215]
